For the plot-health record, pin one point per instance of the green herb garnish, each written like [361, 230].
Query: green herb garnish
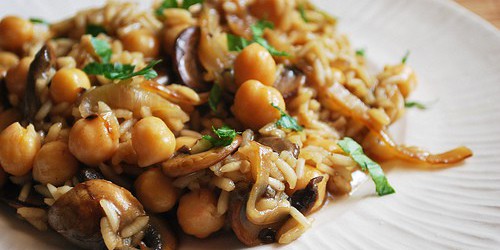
[224, 136]
[118, 71]
[94, 29]
[303, 13]
[102, 49]
[361, 52]
[39, 20]
[352, 148]
[418, 105]
[169, 4]
[215, 97]
[287, 121]
[405, 58]
[236, 43]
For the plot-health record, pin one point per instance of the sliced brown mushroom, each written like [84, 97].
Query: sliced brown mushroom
[186, 62]
[304, 200]
[77, 214]
[184, 164]
[159, 236]
[279, 145]
[9, 195]
[289, 81]
[39, 68]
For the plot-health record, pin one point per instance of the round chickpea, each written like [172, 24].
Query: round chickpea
[253, 104]
[272, 10]
[197, 213]
[67, 84]
[18, 149]
[15, 32]
[141, 40]
[54, 164]
[155, 191]
[255, 63]
[152, 141]
[17, 76]
[94, 139]
[8, 59]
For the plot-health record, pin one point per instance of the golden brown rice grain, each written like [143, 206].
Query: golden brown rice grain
[137, 225]
[223, 202]
[223, 183]
[25, 192]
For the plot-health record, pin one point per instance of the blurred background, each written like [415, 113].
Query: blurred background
[488, 9]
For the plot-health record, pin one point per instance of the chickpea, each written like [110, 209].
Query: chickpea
[310, 173]
[17, 77]
[255, 63]
[252, 104]
[18, 149]
[197, 213]
[142, 40]
[67, 84]
[155, 191]
[94, 139]
[8, 117]
[271, 10]
[152, 141]
[8, 59]
[54, 164]
[15, 32]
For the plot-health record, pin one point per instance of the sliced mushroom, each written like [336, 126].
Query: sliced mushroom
[279, 145]
[184, 164]
[9, 195]
[159, 236]
[186, 62]
[88, 174]
[39, 68]
[289, 81]
[304, 200]
[77, 214]
[247, 232]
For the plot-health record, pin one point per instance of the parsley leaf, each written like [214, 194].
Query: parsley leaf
[188, 3]
[361, 52]
[303, 13]
[224, 136]
[418, 105]
[94, 29]
[102, 49]
[215, 97]
[352, 148]
[405, 58]
[287, 121]
[38, 20]
[236, 43]
[118, 71]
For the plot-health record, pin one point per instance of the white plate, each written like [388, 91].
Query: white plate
[457, 57]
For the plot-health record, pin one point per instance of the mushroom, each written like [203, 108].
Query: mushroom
[289, 81]
[304, 200]
[159, 236]
[77, 214]
[279, 145]
[9, 195]
[88, 174]
[4, 100]
[44, 61]
[186, 62]
[184, 164]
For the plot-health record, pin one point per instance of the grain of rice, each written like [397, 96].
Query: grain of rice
[43, 111]
[300, 218]
[342, 161]
[216, 168]
[110, 238]
[53, 133]
[111, 213]
[245, 166]
[299, 167]
[232, 166]
[223, 202]
[247, 137]
[288, 172]
[137, 225]
[25, 192]
[35, 216]
[184, 181]
[325, 169]
[66, 62]
[276, 184]
[123, 113]
[223, 183]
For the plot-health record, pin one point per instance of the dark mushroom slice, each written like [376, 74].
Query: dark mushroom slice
[304, 200]
[39, 68]
[4, 100]
[77, 214]
[279, 145]
[289, 81]
[184, 164]
[10, 192]
[186, 62]
[164, 70]
[159, 236]
[88, 174]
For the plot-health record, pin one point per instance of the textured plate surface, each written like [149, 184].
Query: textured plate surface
[457, 58]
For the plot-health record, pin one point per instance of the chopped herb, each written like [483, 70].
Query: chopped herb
[405, 58]
[287, 121]
[303, 13]
[188, 3]
[94, 29]
[167, 4]
[215, 96]
[236, 43]
[361, 52]
[102, 49]
[352, 148]
[118, 71]
[224, 136]
[38, 20]
[418, 105]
